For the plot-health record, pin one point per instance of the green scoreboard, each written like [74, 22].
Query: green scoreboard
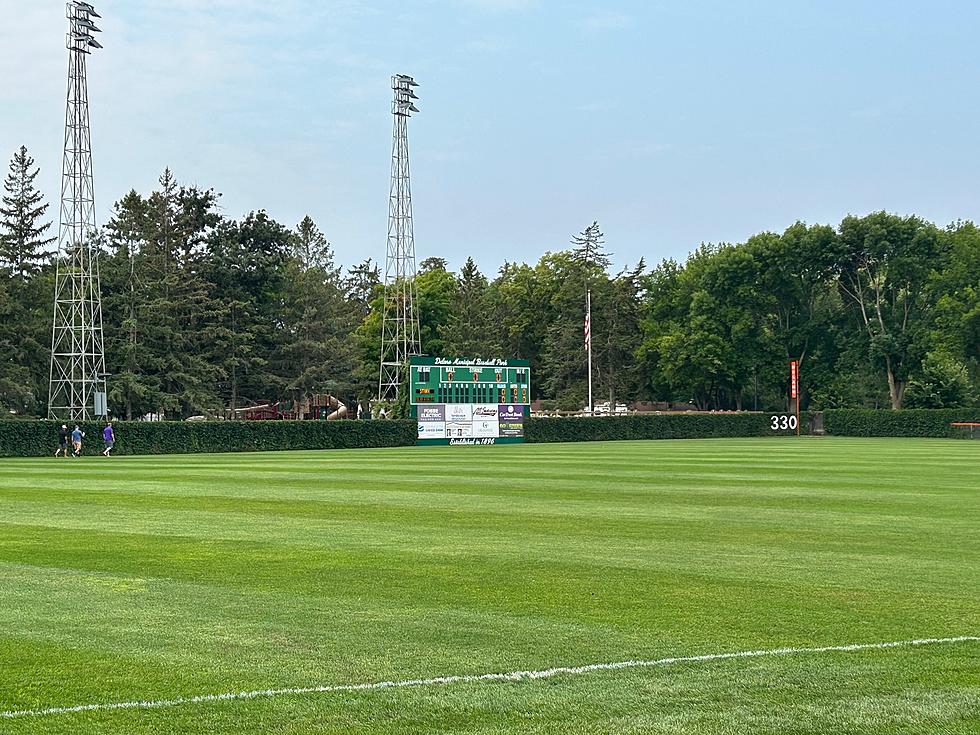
[469, 401]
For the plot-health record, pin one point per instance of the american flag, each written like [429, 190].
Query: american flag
[588, 330]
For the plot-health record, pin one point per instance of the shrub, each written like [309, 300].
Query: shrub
[655, 426]
[911, 422]
[38, 438]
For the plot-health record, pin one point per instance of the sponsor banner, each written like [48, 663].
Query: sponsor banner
[484, 412]
[459, 429]
[432, 413]
[432, 430]
[458, 412]
[467, 423]
[511, 430]
[486, 428]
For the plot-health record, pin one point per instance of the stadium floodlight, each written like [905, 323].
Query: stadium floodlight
[403, 104]
[80, 38]
[77, 383]
[400, 338]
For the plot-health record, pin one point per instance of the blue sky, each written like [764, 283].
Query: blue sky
[671, 123]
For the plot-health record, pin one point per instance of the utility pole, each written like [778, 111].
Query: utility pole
[400, 320]
[77, 387]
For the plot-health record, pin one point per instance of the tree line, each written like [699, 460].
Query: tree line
[202, 313]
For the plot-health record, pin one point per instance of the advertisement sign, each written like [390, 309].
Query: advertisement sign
[510, 419]
[432, 430]
[486, 429]
[459, 412]
[483, 412]
[473, 419]
[459, 429]
[432, 413]
[794, 379]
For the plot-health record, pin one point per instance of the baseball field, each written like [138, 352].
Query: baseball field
[713, 586]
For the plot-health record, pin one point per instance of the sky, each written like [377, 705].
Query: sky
[671, 123]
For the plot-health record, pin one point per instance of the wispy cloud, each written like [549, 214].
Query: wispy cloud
[499, 6]
[489, 45]
[606, 20]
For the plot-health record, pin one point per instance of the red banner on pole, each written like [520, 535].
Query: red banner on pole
[794, 379]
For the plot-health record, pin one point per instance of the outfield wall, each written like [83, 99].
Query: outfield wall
[658, 426]
[837, 422]
[912, 422]
[40, 438]
[25, 438]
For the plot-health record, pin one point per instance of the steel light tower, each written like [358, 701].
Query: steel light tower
[77, 387]
[400, 320]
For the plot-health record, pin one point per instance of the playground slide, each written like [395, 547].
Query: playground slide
[340, 409]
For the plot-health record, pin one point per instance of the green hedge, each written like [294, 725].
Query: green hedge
[911, 422]
[40, 438]
[655, 426]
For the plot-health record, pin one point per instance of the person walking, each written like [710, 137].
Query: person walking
[108, 438]
[76, 440]
[62, 442]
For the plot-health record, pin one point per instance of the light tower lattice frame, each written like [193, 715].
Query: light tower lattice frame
[77, 386]
[400, 321]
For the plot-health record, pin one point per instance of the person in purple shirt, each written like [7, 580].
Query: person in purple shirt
[108, 438]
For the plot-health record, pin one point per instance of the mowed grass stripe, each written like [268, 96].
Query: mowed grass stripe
[166, 575]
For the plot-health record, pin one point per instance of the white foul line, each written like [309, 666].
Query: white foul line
[467, 678]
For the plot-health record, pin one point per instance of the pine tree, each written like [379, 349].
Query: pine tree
[316, 352]
[23, 244]
[164, 329]
[311, 248]
[362, 285]
[588, 250]
[470, 330]
[246, 265]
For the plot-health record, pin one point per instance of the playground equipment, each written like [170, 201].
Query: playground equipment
[319, 407]
[325, 407]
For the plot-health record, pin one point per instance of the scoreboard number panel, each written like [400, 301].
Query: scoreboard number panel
[461, 401]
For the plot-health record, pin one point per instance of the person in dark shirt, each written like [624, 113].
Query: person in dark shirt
[108, 438]
[62, 442]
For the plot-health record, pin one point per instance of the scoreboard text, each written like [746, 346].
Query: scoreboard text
[442, 380]
[469, 401]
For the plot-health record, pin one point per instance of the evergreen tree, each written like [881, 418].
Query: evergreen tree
[23, 244]
[362, 285]
[588, 250]
[246, 263]
[311, 248]
[134, 390]
[469, 331]
[621, 336]
[317, 353]
[163, 323]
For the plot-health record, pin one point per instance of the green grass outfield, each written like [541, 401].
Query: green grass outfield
[133, 579]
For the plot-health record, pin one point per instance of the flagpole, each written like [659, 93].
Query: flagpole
[588, 340]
